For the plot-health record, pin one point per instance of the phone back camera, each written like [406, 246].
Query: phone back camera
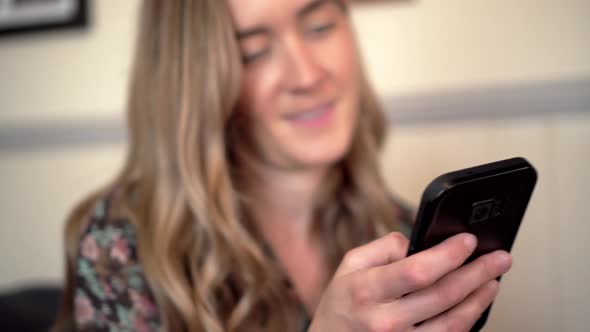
[481, 211]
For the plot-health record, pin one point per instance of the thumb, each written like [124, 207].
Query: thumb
[382, 251]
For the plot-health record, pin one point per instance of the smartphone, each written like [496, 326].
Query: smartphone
[488, 201]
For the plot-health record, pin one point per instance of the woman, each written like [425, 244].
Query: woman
[251, 198]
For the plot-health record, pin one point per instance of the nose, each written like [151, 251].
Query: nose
[304, 72]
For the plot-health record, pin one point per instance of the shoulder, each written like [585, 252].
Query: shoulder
[106, 230]
[111, 288]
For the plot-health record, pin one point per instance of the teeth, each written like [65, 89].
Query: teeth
[311, 114]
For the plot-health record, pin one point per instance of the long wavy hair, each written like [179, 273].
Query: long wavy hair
[200, 252]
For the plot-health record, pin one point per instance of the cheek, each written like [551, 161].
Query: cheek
[256, 93]
[252, 97]
[345, 71]
[341, 59]
[256, 111]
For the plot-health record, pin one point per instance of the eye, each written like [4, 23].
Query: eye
[254, 56]
[321, 28]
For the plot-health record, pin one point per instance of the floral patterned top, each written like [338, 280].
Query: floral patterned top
[112, 294]
[111, 291]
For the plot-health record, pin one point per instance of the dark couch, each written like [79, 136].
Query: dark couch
[29, 309]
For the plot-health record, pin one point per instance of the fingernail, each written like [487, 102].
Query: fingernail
[493, 285]
[503, 259]
[470, 241]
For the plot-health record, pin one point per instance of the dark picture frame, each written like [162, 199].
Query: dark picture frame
[31, 16]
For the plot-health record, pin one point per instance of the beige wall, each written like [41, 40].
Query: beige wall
[38, 190]
[419, 45]
[410, 48]
[71, 74]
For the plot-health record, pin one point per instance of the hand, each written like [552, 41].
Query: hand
[377, 288]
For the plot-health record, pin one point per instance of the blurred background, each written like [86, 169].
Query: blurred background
[463, 81]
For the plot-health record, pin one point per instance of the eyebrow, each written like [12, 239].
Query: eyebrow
[252, 32]
[301, 13]
[310, 7]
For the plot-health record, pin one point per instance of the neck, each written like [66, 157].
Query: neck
[285, 198]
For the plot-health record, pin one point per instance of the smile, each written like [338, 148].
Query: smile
[318, 116]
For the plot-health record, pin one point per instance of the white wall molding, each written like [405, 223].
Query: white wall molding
[54, 134]
[495, 102]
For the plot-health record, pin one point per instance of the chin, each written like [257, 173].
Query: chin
[323, 147]
[321, 160]
[322, 154]
[326, 151]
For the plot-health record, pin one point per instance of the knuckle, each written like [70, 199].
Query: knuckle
[483, 301]
[489, 267]
[361, 294]
[352, 257]
[480, 306]
[417, 276]
[456, 254]
[463, 320]
[385, 324]
[450, 293]
[400, 242]
[466, 319]
[457, 323]
[398, 238]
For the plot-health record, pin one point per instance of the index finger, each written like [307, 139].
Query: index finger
[422, 269]
[382, 251]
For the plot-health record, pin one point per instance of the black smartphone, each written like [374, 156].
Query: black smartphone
[488, 201]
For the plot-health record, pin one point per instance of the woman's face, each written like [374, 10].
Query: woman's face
[300, 83]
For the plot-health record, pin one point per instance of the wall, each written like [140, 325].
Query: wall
[415, 51]
[73, 74]
[416, 46]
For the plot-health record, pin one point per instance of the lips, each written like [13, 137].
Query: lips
[311, 114]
